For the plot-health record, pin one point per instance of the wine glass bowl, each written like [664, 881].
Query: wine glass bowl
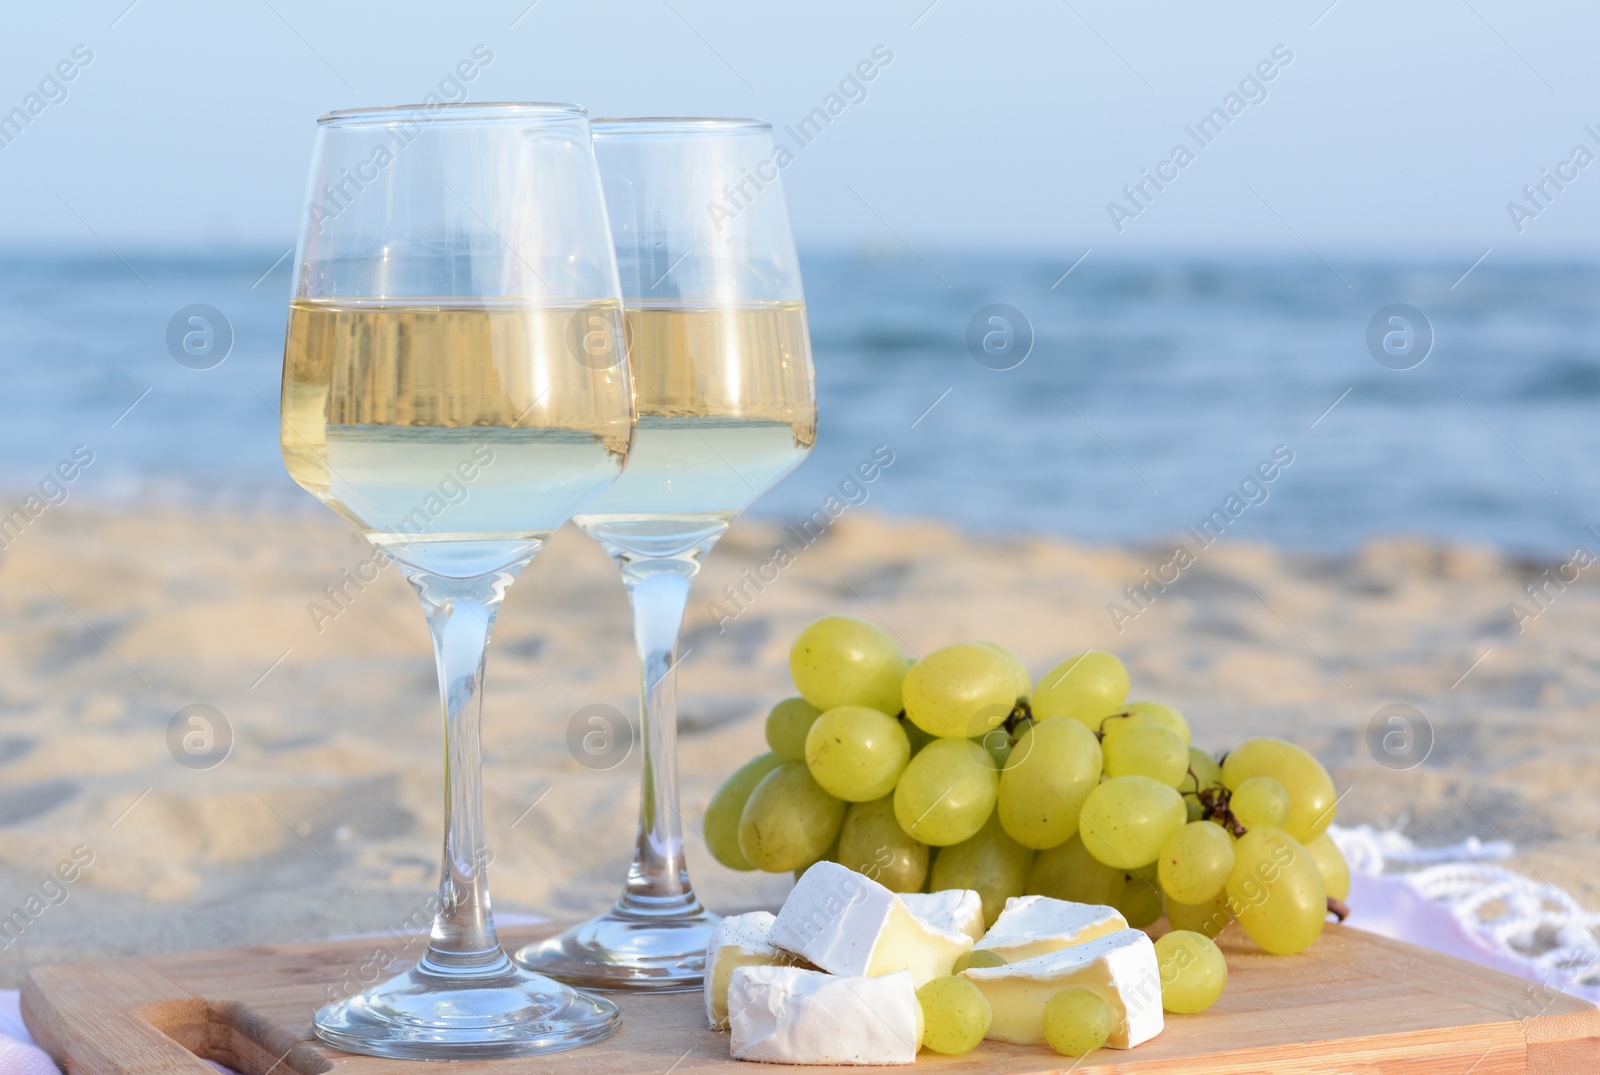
[431, 396]
[443, 262]
[726, 402]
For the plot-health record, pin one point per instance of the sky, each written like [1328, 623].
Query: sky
[1400, 130]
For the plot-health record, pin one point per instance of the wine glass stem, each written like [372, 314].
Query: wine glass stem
[461, 615]
[658, 881]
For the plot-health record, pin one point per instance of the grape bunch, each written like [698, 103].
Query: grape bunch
[959, 771]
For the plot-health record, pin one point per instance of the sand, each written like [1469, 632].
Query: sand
[325, 816]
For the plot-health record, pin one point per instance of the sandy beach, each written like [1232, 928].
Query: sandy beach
[324, 818]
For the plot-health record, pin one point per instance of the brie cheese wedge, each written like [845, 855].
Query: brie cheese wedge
[738, 941]
[789, 1015]
[953, 910]
[850, 925]
[1033, 925]
[1120, 968]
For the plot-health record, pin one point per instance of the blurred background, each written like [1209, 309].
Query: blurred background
[1174, 338]
[1356, 237]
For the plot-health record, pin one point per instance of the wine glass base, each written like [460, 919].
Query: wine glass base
[422, 1016]
[623, 952]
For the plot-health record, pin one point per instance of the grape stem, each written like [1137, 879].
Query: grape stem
[1100, 732]
[1338, 908]
[1214, 804]
[1020, 712]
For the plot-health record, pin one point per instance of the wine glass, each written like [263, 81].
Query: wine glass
[723, 384]
[446, 389]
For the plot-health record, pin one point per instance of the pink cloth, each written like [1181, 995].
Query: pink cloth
[19, 1058]
[1386, 905]
[17, 1053]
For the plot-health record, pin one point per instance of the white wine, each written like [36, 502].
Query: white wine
[726, 409]
[452, 434]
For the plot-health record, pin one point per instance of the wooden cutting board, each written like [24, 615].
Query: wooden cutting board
[1355, 1004]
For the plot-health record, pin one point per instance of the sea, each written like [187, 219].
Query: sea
[1309, 404]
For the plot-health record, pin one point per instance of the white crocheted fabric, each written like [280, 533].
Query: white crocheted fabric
[1537, 926]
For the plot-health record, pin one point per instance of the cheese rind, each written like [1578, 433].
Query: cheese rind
[738, 941]
[789, 1015]
[850, 925]
[1034, 925]
[1120, 968]
[953, 910]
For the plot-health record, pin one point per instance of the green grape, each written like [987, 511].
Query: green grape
[1141, 900]
[1126, 820]
[830, 855]
[1019, 671]
[916, 736]
[789, 821]
[1192, 806]
[1076, 1021]
[977, 957]
[1195, 864]
[1331, 865]
[787, 725]
[1146, 750]
[959, 691]
[873, 843]
[1276, 892]
[843, 661]
[955, 1015]
[947, 792]
[1193, 972]
[991, 863]
[1260, 800]
[1158, 713]
[1068, 872]
[1210, 917]
[857, 754]
[999, 744]
[1311, 795]
[1088, 687]
[721, 825]
[1051, 771]
[1207, 773]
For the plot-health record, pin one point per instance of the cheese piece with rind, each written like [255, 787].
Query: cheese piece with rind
[1034, 925]
[850, 925]
[1120, 968]
[790, 1015]
[953, 910]
[738, 941]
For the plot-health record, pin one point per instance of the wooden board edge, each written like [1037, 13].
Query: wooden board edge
[1567, 1043]
[128, 1044]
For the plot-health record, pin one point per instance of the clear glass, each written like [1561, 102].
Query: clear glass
[454, 384]
[723, 384]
